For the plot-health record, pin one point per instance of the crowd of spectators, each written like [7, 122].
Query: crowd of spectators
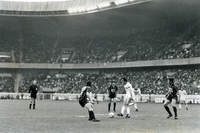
[149, 81]
[6, 84]
[131, 48]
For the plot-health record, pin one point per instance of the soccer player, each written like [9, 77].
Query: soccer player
[87, 101]
[127, 99]
[33, 89]
[182, 98]
[171, 97]
[137, 92]
[112, 94]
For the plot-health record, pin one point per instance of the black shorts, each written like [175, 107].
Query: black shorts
[112, 96]
[33, 96]
[83, 102]
[175, 97]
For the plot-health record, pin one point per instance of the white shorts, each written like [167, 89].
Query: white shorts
[182, 100]
[128, 99]
[89, 106]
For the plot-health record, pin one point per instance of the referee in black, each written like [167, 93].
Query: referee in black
[33, 89]
[112, 94]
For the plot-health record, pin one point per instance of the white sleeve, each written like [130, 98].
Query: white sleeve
[139, 92]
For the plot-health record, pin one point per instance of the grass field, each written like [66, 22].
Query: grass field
[69, 117]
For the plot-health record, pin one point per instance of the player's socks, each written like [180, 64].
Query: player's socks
[30, 106]
[109, 104]
[168, 111]
[135, 106]
[186, 107]
[123, 109]
[175, 112]
[90, 115]
[128, 110]
[93, 117]
[179, 106]
[33, 106]
[114, 107]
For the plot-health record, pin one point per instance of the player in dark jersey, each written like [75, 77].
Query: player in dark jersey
[86, 100]
[33, 89]
[171, 97]
[112, 94]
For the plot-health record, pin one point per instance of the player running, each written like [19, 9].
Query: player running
[127, 99]
[182, 98]
[86, 100]
[171, 97]
[112, 94]
[33, 89]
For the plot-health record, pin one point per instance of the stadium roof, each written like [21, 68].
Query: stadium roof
[60, 7]
[116, 24]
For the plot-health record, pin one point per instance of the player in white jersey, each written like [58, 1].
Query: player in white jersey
[182, 98]
[127, 99]
[137, 92]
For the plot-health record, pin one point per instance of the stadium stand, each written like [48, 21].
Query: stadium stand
[156, 34]
[149, 81]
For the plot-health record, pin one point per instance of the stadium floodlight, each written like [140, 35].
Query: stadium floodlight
[103, 5]
[118, 2]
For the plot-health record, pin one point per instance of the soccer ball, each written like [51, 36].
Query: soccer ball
[111, 115]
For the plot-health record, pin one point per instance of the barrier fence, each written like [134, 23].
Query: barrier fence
[145, 98]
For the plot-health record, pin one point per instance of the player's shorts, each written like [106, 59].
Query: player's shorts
[172, 97]
[182, 100]
[128, 99]
[33, 95]
[112, 96]
[89, 106]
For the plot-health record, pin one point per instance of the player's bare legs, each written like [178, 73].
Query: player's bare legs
[186, 105]
[32, 103]
[179, 105]
[183, 102]
[135, 106]
[109, 104]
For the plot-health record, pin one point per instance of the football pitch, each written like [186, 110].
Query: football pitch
[69, 117]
